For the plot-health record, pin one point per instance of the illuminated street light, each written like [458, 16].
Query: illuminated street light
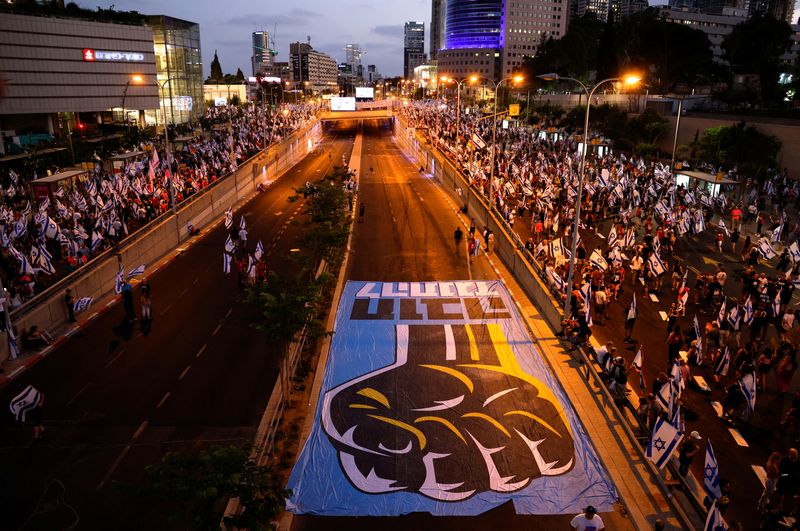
[630, 80]
[517, 79]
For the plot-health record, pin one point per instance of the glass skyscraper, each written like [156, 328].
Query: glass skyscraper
[474, 24]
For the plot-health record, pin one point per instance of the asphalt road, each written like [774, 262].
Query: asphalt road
[763, 434]
[407, 235]
[119, 397]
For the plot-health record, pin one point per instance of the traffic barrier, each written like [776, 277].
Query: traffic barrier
[165, 233]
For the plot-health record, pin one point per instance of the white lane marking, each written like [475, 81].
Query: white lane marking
[111, 302]
[76, 395]
[653, 298]
[717, 408]
[165, 310]
[163, 399]
[229, 313]
[195, 280]
[663, 315]
[121, 352]
[200, 352]
[141, 428]
[738, 437]
[93, 316]
[702, 384]
[184, 372]
[113, 468]
[761, 474]
[216, 329]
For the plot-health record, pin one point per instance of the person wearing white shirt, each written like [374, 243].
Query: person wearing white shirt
[588, 520]
[636, 267]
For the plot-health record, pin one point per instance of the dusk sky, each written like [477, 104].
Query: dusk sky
[226, 25]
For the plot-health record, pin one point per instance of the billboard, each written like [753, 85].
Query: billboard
[343, 104]
[435, 399]
[365, 92]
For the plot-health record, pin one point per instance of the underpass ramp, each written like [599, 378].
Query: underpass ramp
[435, 399]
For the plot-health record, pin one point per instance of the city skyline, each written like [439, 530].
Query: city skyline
[376, 26]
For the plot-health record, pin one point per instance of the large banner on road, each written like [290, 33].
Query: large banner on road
[436, 400]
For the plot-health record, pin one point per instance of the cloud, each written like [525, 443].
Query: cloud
[394, 31]
[295, 17]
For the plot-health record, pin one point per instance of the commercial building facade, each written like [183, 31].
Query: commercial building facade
[261, 60]
[312, 70]
[438, 24]
[54, 66]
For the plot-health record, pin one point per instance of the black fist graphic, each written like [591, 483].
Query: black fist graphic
[453, 416]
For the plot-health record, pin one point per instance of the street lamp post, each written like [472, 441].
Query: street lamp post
[677, 128]
[515, 79]
[134, 79]
[166, 143]
[628, 80]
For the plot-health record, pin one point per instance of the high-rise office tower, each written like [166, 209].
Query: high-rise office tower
[261, 59]
[413, 47]
[353, 55]
[438, 25]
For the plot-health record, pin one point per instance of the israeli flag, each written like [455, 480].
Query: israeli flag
[723, 227]
[597, 259]
[714, 521]
[229, 218]
[766, 250]
[50, 228]
[226, 263]
[794, 252]
[229, 245]
[136, 271]
[555, 248]
[27, 210]
[776, 234]
[632, 309]
[119, 280]
[748, 311]
[721, 314]
[638, 364]
[630, 239]
[25, 402]
[748, 386]
[663, 442]
[44, 264]
[82, 304]
[96, 239]
[602, 178]
[25, 266]
[259, 250]
[556, 279]
[656, 265]
[734, 318]
[251, 267]
[699, 222]
[20, 228]
[723, 363]
[613, 239]
[711, 474]
[242, 223]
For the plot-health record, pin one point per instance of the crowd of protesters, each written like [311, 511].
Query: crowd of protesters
[735, 331]
[40, 243]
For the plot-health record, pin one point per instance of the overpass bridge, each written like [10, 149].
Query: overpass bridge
[358, 114]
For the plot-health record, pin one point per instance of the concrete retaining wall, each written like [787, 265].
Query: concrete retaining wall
[506, 245]
[96, 279]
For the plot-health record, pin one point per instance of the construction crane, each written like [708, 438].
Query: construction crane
[273, 50]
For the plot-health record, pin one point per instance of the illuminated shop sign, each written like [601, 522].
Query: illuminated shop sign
[99, 55]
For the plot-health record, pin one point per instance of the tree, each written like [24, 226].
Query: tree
[573, 55]
[647, 127]
[755, 47]
[216, 69]
[239, 76]
[740, 145]
[200, 484]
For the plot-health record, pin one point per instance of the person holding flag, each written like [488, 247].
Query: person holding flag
[638, 365]
[663, 442]
[711, 474]
[630, 320]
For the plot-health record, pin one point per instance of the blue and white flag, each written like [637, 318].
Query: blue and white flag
[555, 248]
[734, 318]
[613, 239]
[242, 223]
[748, 311]
[711, 474]
[766, 250]
[602, 177]
[665, 398]
[44, 265]
[25, 267]
[229, 245]
[259, 250]
[699, 222]
[229, 218]
[677, 379]
[714, 521]
[638, 364]
[119, 280]
[630, 239]
[25, 402]
[748, 385]
[226, 263]
[632, 309]
[96, 239]
[794, 252]
[251, 267]
[555, 278]
[597, 259]
[723, 227]
[721, 314]
[723, 363]
[82, 304]
[663, 442]
[776, 234]
[656, 265]
[136, 271]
